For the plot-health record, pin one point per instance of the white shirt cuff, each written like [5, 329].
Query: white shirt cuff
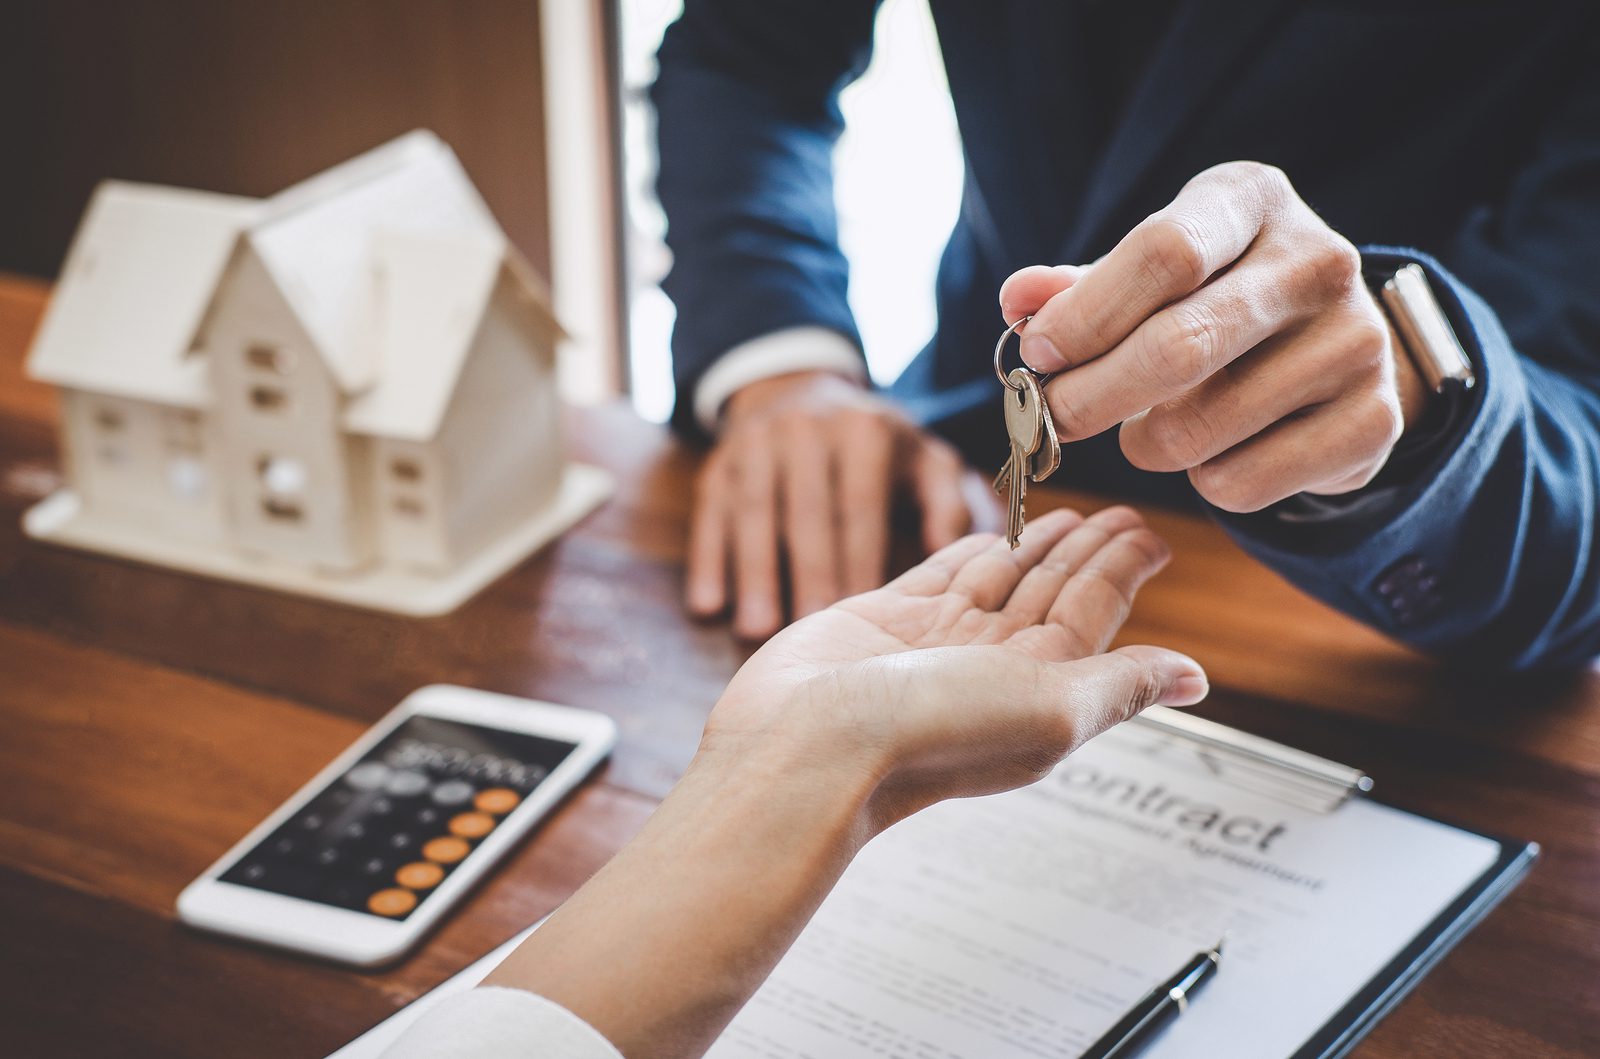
[779, 353]
[493, 1022]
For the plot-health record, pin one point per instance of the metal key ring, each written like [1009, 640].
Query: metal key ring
[1000, 350]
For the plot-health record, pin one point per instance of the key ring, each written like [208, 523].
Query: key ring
[999, 354]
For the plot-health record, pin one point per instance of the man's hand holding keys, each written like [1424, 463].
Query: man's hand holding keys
[1232, 337]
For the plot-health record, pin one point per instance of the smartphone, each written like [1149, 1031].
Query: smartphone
[362, 860]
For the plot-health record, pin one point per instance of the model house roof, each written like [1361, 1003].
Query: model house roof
[388, 260]
[141, 271]
[320, 236]
[431, 292]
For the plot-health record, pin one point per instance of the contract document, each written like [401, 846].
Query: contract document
[1025, 924]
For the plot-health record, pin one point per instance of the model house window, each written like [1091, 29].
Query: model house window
[181, 430]
[264, 356]
[406, 469]
[283, 486]
[268, 398]
[280, 474]
[408, 506]
[281, 509]
[186, 477]
[110, 443]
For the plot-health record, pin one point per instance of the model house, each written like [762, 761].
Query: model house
[346, 389]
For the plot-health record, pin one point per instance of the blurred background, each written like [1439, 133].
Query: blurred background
[544, 101]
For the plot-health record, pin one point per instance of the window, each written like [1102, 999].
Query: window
[408, 506]
[406, 469]
[109, 419]
[181, 429]
[283, 484]
[898, 186]
[281, 510]
[268, 398]
[281, 475]
[266, 357]
[186, 477]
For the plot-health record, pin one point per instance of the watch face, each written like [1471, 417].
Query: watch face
[381, 837]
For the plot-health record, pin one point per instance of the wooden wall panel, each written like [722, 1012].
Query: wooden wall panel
[247, 97]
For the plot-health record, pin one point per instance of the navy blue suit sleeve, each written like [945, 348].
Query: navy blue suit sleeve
[747, 110]
[1490, 555]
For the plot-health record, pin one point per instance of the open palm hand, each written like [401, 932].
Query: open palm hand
[975, 671]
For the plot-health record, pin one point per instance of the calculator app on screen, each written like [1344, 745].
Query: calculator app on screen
[394, 826]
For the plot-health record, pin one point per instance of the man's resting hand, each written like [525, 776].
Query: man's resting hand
[806, 471]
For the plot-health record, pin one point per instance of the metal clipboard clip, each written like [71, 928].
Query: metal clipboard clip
[1247, 761]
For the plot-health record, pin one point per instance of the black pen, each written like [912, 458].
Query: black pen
[1158, 1007]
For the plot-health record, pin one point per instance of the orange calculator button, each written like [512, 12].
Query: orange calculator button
[392, 902]
[471, 825]
[419, 875]
[496, 800]
[446, 849]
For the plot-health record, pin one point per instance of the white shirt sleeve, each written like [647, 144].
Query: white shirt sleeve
[779, 353]
[493, 1022]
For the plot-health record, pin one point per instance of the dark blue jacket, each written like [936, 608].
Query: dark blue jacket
[1463, 134]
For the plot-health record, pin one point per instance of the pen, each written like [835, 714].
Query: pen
[1158, 1007]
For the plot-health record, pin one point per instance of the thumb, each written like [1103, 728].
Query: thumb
[1107, 689]
[1027, 289]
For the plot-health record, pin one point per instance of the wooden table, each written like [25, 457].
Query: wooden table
[150, 719]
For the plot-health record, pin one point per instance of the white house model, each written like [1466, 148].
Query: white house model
[346, 389]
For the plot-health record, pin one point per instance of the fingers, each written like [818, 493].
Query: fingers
[1073, 602]
[1171, 353]
[988, 577]
[936, 475]
[706, 583]
[758, 609]
[1111, 553]
[1210, 224]
[1039, 587]
[1096, 600]
[864, 456]
[933, 575]
[1027, 289]
[1334, 448]
[807, 503]
[1277, 380]
[1108, 689]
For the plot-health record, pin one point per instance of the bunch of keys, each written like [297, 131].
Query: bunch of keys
[1035, 449]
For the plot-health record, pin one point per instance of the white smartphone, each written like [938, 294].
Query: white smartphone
[367, 856]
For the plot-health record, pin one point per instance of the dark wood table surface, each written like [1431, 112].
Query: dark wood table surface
[148, 719]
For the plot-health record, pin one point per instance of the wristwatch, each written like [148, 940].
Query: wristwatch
[1425, 334]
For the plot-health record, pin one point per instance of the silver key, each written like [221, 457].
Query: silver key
[1025, 428]
[1048, 459]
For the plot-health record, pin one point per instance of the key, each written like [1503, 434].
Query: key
[1048, 459]
[1024, 414]
[1005, 482]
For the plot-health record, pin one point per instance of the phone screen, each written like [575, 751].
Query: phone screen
[398, 822]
